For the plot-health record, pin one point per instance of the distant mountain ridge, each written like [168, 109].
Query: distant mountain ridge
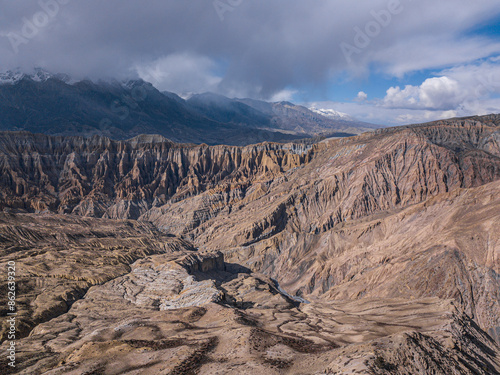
[331, 113]
[54, 104]
[289, 116]
[37, 75]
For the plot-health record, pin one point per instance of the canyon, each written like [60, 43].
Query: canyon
[149, 256]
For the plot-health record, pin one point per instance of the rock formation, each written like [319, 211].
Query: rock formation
[146, 255]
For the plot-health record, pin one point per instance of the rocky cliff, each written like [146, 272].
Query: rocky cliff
[123, 179]
[383, 229]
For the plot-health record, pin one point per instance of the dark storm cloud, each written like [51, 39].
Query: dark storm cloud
[260, 46]
[239, 47]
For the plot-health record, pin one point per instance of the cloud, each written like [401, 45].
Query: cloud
[285, 95]
[480, 80]
[464, 90]
[439, 93]
[424, 52]
[277, 50]
[361, 96]
[377, 114]
[424, 116]
[461, 89]
[259, 48]
[181, 72]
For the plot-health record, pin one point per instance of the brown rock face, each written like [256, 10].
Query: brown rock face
[123, 179]
[168, 258]
[175, 310]
[58, 258]
[409, 212]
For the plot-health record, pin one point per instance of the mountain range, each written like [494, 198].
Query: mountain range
[57, 105]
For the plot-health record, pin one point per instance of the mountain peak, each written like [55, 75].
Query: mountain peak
[37, 74]
[11, 76]
[331, 113]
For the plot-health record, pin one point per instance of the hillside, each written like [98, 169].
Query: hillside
[147, 254]
[54, 105]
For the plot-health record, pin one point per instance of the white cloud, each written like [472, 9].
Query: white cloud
[181, 72]
[440, 93]
[431, 52]
[464, 90]
[361, 96]
[377, 114]
[424, 116]
[270, 45]
[480, 80]
[285, 95]
[467, 89]
[266, 48]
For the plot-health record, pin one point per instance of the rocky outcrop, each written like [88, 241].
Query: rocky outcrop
[148, 175]
[103, 178]
[203, 262]
[58, 258]
[161, 284]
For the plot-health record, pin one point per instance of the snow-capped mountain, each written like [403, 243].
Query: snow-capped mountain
[38, 75]
[42, 75]
[10, 77]
[331, 113]
[42, 102]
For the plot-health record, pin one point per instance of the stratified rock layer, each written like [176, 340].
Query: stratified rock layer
[179, 311]
[392, 237]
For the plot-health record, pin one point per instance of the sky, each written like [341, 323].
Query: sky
[389, 62]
